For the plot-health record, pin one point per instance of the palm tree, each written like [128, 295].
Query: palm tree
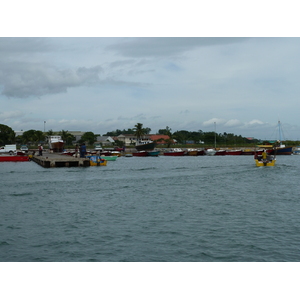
[139, 131]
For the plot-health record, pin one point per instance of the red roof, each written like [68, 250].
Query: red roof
[155, 137]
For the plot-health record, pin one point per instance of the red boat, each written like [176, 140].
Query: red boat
[14, 158]
[141, 153]
[221, 152]
[174, 152]
[234, 152]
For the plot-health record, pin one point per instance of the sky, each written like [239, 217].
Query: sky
[233, 84]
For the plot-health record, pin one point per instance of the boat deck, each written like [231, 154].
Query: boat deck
[56, 160]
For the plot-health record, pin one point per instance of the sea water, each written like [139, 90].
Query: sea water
[151, 209]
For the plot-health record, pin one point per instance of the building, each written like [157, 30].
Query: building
[130, 139]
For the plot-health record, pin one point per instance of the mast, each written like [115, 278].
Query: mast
[215, 136]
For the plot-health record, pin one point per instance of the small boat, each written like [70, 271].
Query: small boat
[201, 152]
[140, 153]
[248, 152]
[128, 155]
[221, 152]
[97, 161]
[267, 161]
[234, 152]
[174, 152]
[153, 153]
[210, 152]
[14, 158]
[111, 153]
[192, 152]
[110, 158]
[297, 150]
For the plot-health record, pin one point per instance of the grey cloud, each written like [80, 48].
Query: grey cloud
[166, 46]
[24, 45]
[23, 80]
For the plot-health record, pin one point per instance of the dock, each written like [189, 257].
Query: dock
[56, 160]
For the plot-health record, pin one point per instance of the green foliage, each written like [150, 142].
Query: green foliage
[88, 137]
[67, 137]
[139, 131]
[33, 137]
[7, 135]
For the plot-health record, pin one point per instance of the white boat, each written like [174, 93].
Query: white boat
[297, 150]
[56, 144]
[210, 152]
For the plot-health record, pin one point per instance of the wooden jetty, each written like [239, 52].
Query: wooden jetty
[55, 160]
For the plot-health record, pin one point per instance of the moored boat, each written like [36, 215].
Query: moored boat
[192, 152]
[145, 145]
[296, 150]
[174, 152]
[56, 144]
[97, 161]
[140, 153]
[210, 152]
[221, 152]
[110, 158]
[153, 153]
[234, 152]
[14, 158]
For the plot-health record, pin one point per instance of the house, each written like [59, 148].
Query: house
[130, 139]
[105, 140]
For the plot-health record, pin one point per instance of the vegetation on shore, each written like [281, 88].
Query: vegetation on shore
[183, 138]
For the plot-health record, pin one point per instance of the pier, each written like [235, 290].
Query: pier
[53, 160]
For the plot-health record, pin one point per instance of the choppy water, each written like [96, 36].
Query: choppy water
[152, 209]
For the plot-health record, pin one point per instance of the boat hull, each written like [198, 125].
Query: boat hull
[14, 158]
[262, 163]
[110, 158]
[146, 146]
[234, 152]
[283, 151]
[140, 154]
[97, 161]
[179, 153]
[153, 153]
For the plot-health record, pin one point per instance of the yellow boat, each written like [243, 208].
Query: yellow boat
[97, 161]
[265, 162]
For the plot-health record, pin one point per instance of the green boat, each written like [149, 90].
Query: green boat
[110, 158]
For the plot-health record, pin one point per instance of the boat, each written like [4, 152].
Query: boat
[210, 152]
[110, 158]
[221, 152]
[97, 161]
[140, 153]
[248, 152]
[234, 152]
[269, 161]
[14, 158]
[281, 149]
[297, 150]
[174, 152]
[56, 144]
[201, 152]
[111, 153]
[192, 152]
[145, 145]
[153, 153]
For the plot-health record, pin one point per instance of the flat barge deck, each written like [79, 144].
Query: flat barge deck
[53, 160]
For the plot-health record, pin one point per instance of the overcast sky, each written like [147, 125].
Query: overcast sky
[242, 85]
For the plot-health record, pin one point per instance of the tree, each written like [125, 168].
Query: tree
[7, 135]
[88, 137]
[67, 137]
[33, 136]
[139, 131]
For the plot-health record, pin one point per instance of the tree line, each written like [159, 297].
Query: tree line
[35, 137]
